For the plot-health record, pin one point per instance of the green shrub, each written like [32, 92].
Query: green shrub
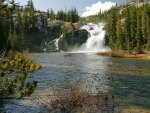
[13, 76]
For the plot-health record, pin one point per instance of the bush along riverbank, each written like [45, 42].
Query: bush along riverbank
[13, 73]
[76, 99]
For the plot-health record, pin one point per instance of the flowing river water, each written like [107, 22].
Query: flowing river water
[127, 79]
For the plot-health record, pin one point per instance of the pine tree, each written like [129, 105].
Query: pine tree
[139, 34]
[120, 36]
[133, 27]
[74, 15]
[111, 27]
[52, 14]
[12, 38]
[48, 13]
[147, 26]
[128, 28]
[5, 22]
[30, 4]
[18, 29]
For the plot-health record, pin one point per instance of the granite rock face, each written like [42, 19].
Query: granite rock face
[69, 36]
[54, 30]
[73, 39]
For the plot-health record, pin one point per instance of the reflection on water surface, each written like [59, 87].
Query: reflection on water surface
[128, 80]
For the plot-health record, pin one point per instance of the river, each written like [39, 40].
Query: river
[127, 79]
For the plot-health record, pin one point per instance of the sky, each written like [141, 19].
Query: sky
[84, 7]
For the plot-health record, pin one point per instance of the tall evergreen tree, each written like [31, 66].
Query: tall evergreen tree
[52, 14]
[147, 23]
[127, 28]
[139, 34]
[120, 36]
[133, 27]
[48, 13]
[12, 38]
[111, 27]
[134, 24]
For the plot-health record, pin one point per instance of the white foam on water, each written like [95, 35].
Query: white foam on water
[96, 40]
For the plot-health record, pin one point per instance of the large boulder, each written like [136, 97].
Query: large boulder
[73, 39]
[69, 35]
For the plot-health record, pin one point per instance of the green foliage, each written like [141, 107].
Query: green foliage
[51, 14]
[127, 28]
[139, 35]
[130, 31]
[16, 86]
[19, 27]
[95, 18]
[111, 27]
[69, 16]
[26, 28]
[18, 63]
[14, 69]
[119, 34]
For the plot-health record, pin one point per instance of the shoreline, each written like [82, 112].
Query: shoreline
[144, 56]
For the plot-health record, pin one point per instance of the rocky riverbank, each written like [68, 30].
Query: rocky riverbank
[144, 56]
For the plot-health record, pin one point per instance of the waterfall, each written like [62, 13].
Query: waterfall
[53, 45]
[96, 40]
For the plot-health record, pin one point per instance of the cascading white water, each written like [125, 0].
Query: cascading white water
[96, 40]
[56, 43]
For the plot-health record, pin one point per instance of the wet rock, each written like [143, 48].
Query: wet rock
[69, 34]
[73, 39]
